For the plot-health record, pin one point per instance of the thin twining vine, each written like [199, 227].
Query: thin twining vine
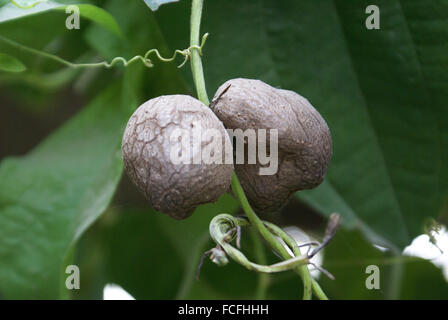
[186, 53]
[29, 6]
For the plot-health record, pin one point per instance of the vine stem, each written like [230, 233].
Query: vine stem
[263, 278]
[275, 244]
[195, 55]
[199, 81]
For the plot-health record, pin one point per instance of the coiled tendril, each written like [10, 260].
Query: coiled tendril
[224, 228]
[144, 59]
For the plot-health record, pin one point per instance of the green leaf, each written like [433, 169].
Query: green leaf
[11, 12]
[50, 196]
[10, 64]
[383, 93]
[155, 4]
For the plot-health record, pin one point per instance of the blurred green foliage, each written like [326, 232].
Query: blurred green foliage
[383, 93]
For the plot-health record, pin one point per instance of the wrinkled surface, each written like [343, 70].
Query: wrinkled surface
[174, 189]
[304, 141]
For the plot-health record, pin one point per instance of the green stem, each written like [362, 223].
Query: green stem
[304, 273]
[303, 270]
[318, 292]
[263, 278]
[269, 237]
[255, 220]
[394, 276]
[309, 284]
[195, 55]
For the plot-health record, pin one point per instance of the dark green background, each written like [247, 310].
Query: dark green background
[382, 92]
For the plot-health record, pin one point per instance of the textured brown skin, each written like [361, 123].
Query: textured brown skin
[174, 189]
[304, 141]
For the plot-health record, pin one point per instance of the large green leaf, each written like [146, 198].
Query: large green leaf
[49, 197]
[383, 93]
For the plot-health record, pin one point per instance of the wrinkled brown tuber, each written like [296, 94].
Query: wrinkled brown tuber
[304, 141]
[159, 154]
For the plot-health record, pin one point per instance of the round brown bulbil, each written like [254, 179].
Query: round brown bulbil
[304, 141]
[173, 188]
